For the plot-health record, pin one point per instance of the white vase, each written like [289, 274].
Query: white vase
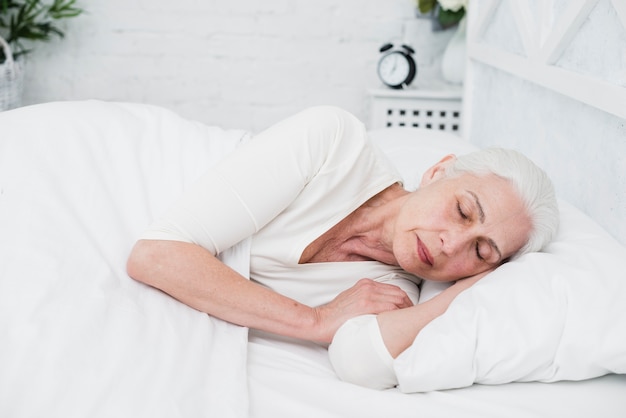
[454, 56]
[11, 79]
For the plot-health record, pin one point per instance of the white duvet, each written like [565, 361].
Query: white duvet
[78, 183]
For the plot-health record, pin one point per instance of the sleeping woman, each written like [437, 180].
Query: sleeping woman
[334, 235]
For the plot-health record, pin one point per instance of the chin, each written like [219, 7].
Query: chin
[435, 276]
[439, 279]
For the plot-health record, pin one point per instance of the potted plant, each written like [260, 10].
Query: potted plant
[23, 22]
[447, 13]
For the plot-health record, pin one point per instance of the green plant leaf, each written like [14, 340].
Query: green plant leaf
[448, 18]
[33, 20]
[426, 6]
[61, 9]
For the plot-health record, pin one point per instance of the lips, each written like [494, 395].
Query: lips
[423, 254]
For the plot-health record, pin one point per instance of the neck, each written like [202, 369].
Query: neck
[365, 234]
[369, 233]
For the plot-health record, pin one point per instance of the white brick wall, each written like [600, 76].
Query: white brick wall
[233, 63]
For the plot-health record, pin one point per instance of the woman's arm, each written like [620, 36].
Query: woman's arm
[364, 348]
[195, 277]
[236, 199]
[399, 328]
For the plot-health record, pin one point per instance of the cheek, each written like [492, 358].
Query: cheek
[462, 266]
[403, 250]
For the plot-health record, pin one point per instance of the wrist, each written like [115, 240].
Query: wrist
[318, 326]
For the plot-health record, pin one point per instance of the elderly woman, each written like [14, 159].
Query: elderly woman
[334, 235]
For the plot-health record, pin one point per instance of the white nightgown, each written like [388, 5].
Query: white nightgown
[284, 188]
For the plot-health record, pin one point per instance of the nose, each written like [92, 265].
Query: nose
[453, 240]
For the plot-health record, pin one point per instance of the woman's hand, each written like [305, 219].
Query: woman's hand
[195, 277]
[365, 297]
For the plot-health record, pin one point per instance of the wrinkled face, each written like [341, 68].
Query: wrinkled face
[451, 228]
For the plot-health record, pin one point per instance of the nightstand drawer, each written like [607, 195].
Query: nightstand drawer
[439, 110]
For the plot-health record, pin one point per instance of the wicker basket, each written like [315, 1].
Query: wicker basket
[11, 79]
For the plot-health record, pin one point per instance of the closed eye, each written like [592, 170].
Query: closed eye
[461, 213]
[490, 252]
[478, 252]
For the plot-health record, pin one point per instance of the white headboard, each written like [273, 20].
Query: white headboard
[548, 77]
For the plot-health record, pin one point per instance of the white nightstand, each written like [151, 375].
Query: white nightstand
[416, 108]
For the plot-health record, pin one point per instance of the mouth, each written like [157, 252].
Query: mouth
[423, 254]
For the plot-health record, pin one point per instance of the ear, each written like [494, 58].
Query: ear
[438, 170]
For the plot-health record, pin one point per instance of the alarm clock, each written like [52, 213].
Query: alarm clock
[396, 67]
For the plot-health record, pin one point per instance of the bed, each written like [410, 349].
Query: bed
[79, 181]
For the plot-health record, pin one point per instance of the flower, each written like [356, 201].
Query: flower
[447, 12]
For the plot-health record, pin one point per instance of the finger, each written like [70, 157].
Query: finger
[368, 296]
[391, 292]
[389, 301]
[379, 287]
[408, 291]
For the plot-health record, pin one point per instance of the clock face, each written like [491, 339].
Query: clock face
[395, 69]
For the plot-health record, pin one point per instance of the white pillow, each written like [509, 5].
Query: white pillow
[555, 315]
[413, 151]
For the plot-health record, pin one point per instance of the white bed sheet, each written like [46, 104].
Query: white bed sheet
[291, 378]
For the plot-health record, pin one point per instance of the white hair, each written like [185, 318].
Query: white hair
[531, 182]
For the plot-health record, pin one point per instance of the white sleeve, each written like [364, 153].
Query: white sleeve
[358, 354]
[405, 281]
[256, 182]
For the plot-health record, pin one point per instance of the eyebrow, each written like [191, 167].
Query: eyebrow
[495, 247]
[481, 216]
[481, 212]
